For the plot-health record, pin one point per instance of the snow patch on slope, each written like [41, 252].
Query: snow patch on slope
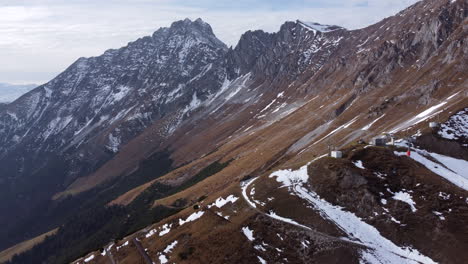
[192, 217]
[424, 115]
[114, 143]
[162, 257]
[262, 261]
[170, 247]
[194, 104]
[407, 198]
[227, 91]
[166, 228]
[337, 129]
[371, 123]
[381, 249]
[358, 163]
[88, 259]
[318, 27]
[287, 220]
[220, 202]
[453, 170]
[122, 91]
[248, 233]
[56, 125]
[151, 233]
[123, 245]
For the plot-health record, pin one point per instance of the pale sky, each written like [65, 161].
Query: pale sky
[40, 38]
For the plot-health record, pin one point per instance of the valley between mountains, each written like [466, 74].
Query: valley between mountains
[179, 149]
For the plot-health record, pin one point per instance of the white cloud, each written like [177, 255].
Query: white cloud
[43, 37]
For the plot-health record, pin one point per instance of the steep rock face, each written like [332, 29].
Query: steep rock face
[287, 54]
[411, 40]
[244, 56]
[73, 124]
[263, 88]
[110, 98]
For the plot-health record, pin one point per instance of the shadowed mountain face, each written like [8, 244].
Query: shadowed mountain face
[71, 125]
[180, 101]
[111, 98]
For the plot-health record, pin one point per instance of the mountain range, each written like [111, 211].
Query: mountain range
[177, 148]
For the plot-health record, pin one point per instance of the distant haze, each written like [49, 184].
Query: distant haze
[10, 92]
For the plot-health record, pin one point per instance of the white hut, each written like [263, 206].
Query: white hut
[336, 154]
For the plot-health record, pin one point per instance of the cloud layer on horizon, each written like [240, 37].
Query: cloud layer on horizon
[40, 38]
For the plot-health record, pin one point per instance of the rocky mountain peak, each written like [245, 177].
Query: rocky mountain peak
[187, 23]
[197, 30]
[112, 97]
[243, 56]
[298, 44]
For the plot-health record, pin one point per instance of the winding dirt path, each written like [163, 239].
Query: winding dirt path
[283, 220]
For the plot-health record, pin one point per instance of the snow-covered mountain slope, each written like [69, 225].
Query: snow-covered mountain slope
[10, 92]
[71, 125]
[140, 83]
[281, 100]
[451, 169]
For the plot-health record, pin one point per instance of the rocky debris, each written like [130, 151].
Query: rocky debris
[456, 128]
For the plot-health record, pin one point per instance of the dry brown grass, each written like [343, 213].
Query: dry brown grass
[8, 253]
